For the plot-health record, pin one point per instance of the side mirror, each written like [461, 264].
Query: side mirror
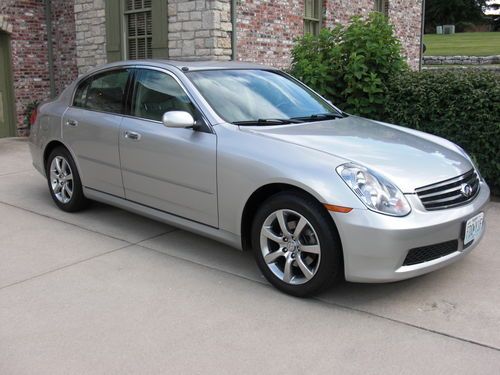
[178, 119]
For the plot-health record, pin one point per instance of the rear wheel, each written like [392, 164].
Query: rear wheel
[296, 244]
[64, 181]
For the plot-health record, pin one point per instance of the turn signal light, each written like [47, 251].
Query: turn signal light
[334, 208]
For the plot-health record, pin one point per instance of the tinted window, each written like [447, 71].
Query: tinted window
[103, 92]
[157, 93]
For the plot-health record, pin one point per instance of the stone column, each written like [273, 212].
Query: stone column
[199, 29]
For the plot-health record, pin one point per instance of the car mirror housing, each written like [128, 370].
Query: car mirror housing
[178, 119]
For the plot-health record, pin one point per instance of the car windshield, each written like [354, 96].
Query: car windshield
[260, 97]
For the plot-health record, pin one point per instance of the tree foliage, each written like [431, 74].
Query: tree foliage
[350, 64]
[449, 12]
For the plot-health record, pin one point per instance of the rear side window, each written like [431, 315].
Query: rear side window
[104, 92]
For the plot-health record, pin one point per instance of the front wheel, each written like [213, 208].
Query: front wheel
[296, 244]
[64, 181]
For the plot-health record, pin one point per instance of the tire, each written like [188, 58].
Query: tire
[64, 181]
[303, 263]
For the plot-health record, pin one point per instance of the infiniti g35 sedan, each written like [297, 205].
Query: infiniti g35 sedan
[251, 157]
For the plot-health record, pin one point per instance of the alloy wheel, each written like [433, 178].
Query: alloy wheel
[290, 246]
[61, 179]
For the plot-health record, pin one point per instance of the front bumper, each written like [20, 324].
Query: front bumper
[375, 245]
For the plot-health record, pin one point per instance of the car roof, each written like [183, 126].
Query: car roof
[184, 65]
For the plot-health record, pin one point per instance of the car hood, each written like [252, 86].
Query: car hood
[408, 158]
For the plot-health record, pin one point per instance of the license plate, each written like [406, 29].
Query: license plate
[473, 228]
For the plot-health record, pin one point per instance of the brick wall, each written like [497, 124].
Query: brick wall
[406, 15]
[199, 29]
[266, 30]
[30, 67]
[29, 54]
[90, 25]
[63, 37]
[340, 11]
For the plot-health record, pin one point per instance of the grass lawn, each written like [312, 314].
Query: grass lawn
[463, 44]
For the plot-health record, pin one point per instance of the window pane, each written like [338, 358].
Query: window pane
[81, 94]
[139, 29]
[308, 7]
[106, 92]
[157, 93]
[312, 16]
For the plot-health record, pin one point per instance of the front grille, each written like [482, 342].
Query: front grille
[431, 252]
[449, 193]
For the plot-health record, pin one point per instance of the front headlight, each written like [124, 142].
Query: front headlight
[375, 191]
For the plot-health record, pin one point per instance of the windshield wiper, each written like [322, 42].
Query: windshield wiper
[268, 121]
[319, 117]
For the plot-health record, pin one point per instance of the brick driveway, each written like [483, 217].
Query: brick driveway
[109, 292]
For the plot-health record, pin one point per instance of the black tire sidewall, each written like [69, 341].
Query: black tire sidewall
[78, 200]
[331, 263]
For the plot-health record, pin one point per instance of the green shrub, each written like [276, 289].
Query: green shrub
[351, 64]
[463, 107]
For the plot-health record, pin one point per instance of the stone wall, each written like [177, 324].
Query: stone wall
[90, 25]
[199, 29]
[461, 60]
[266, 30]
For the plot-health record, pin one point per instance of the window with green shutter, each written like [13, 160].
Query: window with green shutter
[136, 29]
[139, 29]
[312, 16]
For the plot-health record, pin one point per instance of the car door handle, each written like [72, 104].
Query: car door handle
[132, 135]
[71, 123]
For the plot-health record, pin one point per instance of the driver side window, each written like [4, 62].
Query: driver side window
[156, 93]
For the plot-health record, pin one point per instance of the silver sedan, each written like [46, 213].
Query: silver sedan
[251, 157]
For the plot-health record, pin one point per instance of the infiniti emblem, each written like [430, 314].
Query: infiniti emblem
[466, 190]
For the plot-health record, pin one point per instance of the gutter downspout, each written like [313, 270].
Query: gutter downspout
[422, 37]
[50, 52]
[234, 40]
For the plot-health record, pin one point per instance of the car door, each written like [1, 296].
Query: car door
[91, 129]
[170, 169]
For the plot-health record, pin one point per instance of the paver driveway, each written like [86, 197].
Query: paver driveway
[109, 292]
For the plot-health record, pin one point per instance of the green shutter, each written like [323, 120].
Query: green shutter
[114, 43]
[313, 14]
[160, 31]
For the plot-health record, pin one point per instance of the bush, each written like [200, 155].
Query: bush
[463, 107]
[351, 64]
